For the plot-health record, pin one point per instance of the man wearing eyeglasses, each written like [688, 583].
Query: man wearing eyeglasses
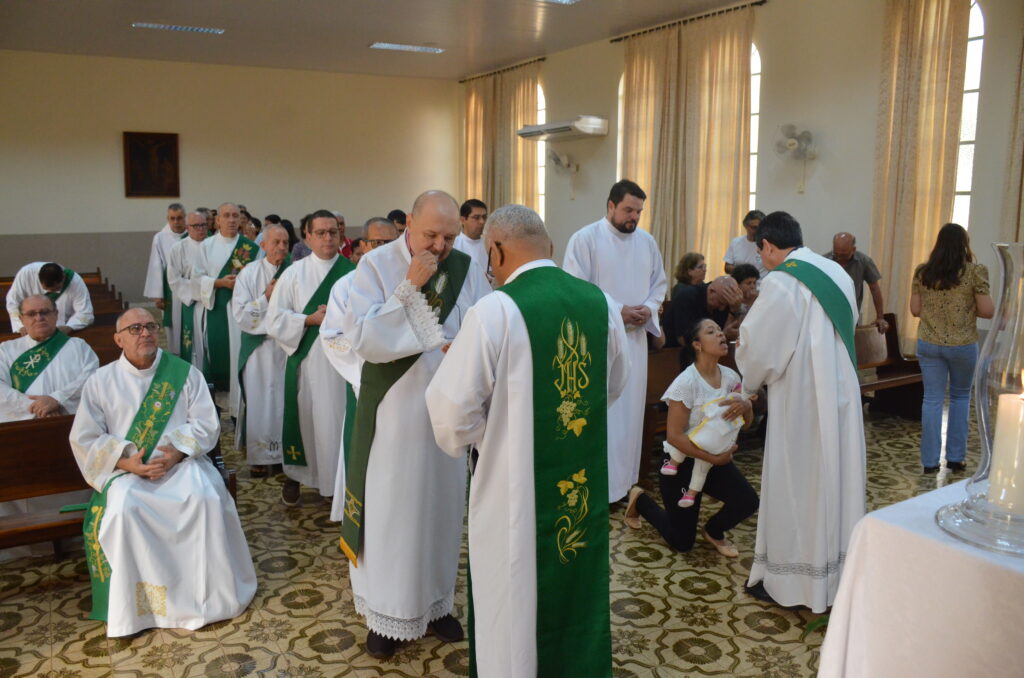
[406, 301]
[473, 215]
[67, 289]
[221, 257]
[157, 285]
[314, 394]
[164, 544]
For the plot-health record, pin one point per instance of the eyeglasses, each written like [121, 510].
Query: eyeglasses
[501, 260]
[37, 314]
[379, 241]
[136, 328]
[329, 233]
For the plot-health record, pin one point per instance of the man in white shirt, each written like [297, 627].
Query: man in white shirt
[67, 289]
[626, 264]
[743, 249]
[157, 287]
[473, 215]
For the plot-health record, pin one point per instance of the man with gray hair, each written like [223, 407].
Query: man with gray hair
[862, 269]
[527, 383]
[180, 261]
[404, 499]
[157, 287]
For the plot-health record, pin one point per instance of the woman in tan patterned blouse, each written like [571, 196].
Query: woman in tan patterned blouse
[950, 292]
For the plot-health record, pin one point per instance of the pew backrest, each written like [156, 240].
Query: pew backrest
[37, 459]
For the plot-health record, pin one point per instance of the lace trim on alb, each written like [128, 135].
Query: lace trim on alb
[423, 319]
[403, 629]
[801, 569]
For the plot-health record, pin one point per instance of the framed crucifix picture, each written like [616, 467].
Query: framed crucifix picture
[150, 165]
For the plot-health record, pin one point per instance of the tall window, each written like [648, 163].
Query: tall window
[755, 118]
[969, 118]
[542, 151]
[620, 127]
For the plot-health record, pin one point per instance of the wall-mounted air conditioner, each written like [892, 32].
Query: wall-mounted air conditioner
[578, 128]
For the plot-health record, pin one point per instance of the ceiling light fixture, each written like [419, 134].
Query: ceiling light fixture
[406, 48]
[560, 2]
[184, 29]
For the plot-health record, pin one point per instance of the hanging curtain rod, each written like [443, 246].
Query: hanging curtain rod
[680, 22]
[502, 70]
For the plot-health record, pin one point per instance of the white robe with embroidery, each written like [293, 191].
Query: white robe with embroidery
[62, 380]
[74, 306]
[262, 408]
[213, 254]
[629, 269]
[482, 395]
[812, 481]
[348, 364]
[180, 262]
[415, 495]
[321, 391]
[159, 254]
[177, 553]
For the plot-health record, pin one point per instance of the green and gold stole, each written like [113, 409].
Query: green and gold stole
[291, 433]
[218, 345]
[168, 302]
[827, 292]
[30, 364]
[68, 276]
[567, 322]
[376, 379]
[247, 344]
[188, 323]
[146, 429]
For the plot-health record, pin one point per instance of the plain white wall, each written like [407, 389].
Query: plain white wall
[279, 141]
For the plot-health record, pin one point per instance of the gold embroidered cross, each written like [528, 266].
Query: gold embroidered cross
[352, 507]
[293, 453]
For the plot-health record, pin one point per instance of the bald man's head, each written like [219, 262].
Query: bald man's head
[229, 219]
[433, 224]
[844, 245]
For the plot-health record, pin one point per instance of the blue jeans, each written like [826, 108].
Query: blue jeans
[942, 365]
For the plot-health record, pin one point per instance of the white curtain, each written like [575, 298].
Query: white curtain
[1012, 229]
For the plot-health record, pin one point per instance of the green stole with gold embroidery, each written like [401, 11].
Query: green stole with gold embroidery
[567, 322]
[168, 299]
[146, 429]
[30, 364]
[291, 433]
[833, 301]
[218, 341]
[376, 379]
[247, 344]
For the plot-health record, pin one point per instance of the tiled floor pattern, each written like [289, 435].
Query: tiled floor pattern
[673, 614]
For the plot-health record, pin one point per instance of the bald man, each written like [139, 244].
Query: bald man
[157, 285]
[861, 269]
[163, 541]
[180, 263]
[404, 497]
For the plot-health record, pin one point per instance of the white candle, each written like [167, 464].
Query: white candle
[1006, 478]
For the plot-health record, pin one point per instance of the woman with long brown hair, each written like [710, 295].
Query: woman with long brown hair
[950, 292]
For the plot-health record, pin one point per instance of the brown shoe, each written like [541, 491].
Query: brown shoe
[259, 471]
[290, 492]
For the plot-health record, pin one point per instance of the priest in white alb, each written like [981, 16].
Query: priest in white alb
[473, 215]
[797, 340]
[67, 289]
[157, 286]
[164, 544]
[261, 362]
[314, 393]
[221, 257]
[41, 375]
[180, 263]
[404, 498]
[527, 382]
[626, 264]
[379, 232]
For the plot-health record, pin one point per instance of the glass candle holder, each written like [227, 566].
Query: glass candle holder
[992, 515]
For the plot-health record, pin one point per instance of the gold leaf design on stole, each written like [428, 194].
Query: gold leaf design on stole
[571, 533]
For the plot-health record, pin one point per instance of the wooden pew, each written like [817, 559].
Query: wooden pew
[897, 383]
[99, 338]
[662, 369]
[37, 461]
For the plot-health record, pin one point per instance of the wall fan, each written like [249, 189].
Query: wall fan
[799, 146]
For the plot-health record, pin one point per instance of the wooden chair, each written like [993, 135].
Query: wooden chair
[897, 383]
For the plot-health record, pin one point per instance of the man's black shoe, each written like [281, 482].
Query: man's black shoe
[447, 628]
[379, 647]
[290, 492]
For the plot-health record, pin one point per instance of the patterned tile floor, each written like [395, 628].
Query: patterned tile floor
[673, 615]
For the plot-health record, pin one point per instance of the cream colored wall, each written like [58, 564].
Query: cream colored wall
[277, 140]
[821, 61]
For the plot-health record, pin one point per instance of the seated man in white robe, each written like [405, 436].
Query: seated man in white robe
[261, 363]
[404, 498]
[528, 381]
[41, 375]
[314, 394]
[67, 289]
[797, 340]
[379, 232]
[163, 541]
[180, 261]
